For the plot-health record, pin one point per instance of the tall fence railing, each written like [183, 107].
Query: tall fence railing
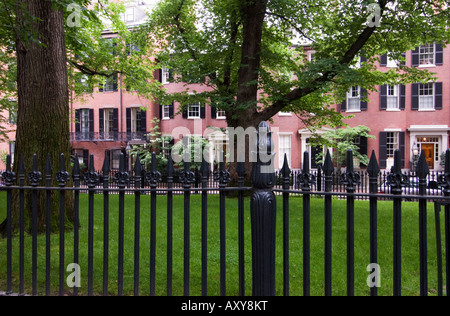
[22, 192]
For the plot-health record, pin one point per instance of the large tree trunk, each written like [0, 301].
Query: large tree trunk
[254, 12]
[43, 100]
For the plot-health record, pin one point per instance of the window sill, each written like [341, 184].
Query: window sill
[353, 111]
[221, 118]
[165, 119]
[427, 110]
[193, 118]
[393, 110]
[427, 66]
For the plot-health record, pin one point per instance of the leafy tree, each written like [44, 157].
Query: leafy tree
[343, 140]
[157, 143]
[53, 51]
[246, 54]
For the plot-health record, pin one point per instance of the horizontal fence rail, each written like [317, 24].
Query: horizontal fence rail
[193, 228]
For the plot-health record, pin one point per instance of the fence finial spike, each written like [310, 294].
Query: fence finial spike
[422, 166]
[170, 168]
[48, 164]
[397, 168]
[350, 167]
[286, 171]
[106, 165]
[306, 162]
[21, 169]
[137, 167]
[154, 168]
[447, 161]
[373, 169]
[122, 163]
[91, 163]
[76, 165]
[328, 167]
[204, 170]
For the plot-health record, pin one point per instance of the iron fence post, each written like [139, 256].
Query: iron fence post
[263, 215]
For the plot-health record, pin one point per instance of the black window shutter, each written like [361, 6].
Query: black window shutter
[438, 95]
[439, 55]
[402, 99]
[415, 57]
[172, 110]
[115, 83]
[100, 87]
[415, 97]
[383, 60]
[91, 122]
[363, 145]
[77, 121]
[143, 121]
[202, 111]
[403, 62]
[160, 75]
[383, 97]
[86, 158]
[185, 113]
[116, 123]
[383, 149]
[401, 140]
[161, 108]
[128, 114]
[364, 103]
[213, 112]
[344, 105]
[101, 122]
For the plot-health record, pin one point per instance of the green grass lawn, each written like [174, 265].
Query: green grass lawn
[410, 248]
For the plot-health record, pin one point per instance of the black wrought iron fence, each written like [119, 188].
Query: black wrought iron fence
[265, 188]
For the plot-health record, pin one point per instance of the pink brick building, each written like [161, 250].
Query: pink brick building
[410, 118]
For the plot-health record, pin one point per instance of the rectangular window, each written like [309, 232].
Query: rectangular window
[136, 114]
[84, 123]
[393, 97]
[426, 54]
[221, 115]
[115, 159]
[392, 144]
[129, 15]
[165, 75]
[110, 84]
[354, 99]
[426, 96]
[166, 112]
[109, 123]
[194, 111]
[284, 149]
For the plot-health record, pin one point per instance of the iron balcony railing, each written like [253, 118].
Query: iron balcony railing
[107, 136]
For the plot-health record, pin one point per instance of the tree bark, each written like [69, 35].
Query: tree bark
[43, 100]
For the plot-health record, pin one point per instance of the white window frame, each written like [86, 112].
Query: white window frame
[422, 98]
[166, 112]
[393, 97]
[282, 150]
[129, 15]
[351, 96]
[84, 123]
[108, 123]
[221, 114]
[391, 62]
[135, 121]
[427, 52]
[165, 75]
[192, 111]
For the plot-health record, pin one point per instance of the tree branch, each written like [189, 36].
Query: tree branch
[313, 86]
[91, 72]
